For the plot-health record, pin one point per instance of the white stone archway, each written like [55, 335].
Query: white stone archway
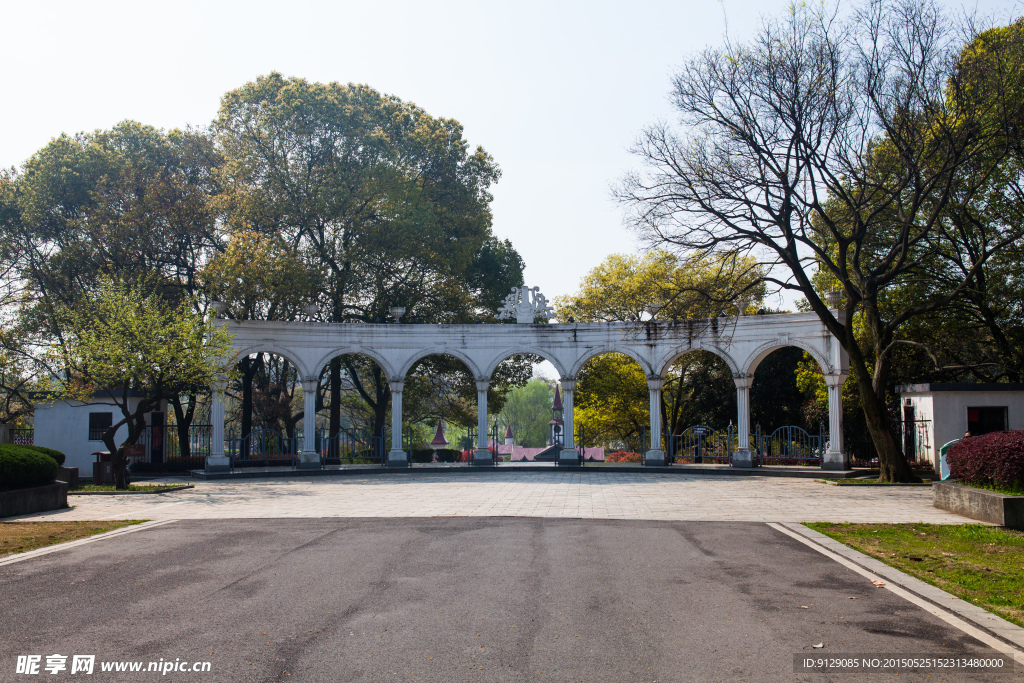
[742, 342]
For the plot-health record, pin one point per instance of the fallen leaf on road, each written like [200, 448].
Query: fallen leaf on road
[877, 582]
[804, 607]
[818, 646]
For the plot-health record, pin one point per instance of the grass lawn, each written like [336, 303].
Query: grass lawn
[20, 537]
[981, 564]
[132, 488]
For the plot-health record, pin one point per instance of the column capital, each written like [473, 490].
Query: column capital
[835, 380]
[568, 383]
[743, 381]
[655, 383]
[219, 386]
[310, 384]
[396, 387]
[483, 384]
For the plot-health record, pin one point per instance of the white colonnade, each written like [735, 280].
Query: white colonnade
[740, 341]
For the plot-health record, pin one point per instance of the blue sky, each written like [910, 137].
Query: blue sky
[555, 91]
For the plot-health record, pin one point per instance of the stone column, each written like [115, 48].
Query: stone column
[744, 456]
[309, 457]
[396, 456]
[569, 455]
[216, 461]
[482, 456]
[835, 457]
[655, 455]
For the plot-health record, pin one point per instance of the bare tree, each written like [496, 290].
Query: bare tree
[829, 148]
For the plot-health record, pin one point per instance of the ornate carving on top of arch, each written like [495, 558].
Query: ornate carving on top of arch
[699, 345]
[610, 348]
[439, 350]
[764, 350]
[389, 371]
[275, 349]
[505, 354]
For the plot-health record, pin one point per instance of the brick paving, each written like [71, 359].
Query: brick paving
[554, 494]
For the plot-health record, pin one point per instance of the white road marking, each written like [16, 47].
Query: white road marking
[82, 541]
[950, 619]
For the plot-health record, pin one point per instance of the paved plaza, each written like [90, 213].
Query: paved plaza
[598, 495]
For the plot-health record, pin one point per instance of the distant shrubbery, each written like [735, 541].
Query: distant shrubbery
[989, 459]
[623, 456]
[25, 466]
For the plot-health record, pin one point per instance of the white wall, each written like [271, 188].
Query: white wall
[947, 411]
[65, 426]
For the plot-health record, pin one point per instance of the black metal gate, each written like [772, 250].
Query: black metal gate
[701, 445]
[261, 447]
[789, 445]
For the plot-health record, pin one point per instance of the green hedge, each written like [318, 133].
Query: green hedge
[421, 455]
[53, 453]
[24, 467]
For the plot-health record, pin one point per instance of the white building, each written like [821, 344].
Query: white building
[76, 429]
[935, 414]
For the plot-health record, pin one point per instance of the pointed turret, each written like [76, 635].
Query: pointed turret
[556, 418]
[508, 435]
[439, 440]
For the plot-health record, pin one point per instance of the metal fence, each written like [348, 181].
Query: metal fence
[23, 437]
[789, 445]
[261, 447]
[914, 435]
[701, 445]
[162, 446]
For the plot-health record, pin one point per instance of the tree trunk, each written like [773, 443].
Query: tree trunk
[892, 464]
[183, 421]
[335, 412]
[249, 368]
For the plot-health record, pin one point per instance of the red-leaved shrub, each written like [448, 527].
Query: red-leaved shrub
[990, 458]
[622, 456]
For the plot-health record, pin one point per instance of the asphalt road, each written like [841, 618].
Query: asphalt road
[457, 599]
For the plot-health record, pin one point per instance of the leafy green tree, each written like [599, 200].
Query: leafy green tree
[527, 411]
[129, 203]
[120, 340]
[390, 203]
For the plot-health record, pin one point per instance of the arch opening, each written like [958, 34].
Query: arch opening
[353, 401]
[263, 409]
[699, 408]
[787, 426]
[439, 410]
[612, 407]
[528, 423]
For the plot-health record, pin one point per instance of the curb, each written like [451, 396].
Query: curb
[18, 557]
[991, 629]
[260, 473]
[130, 493]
